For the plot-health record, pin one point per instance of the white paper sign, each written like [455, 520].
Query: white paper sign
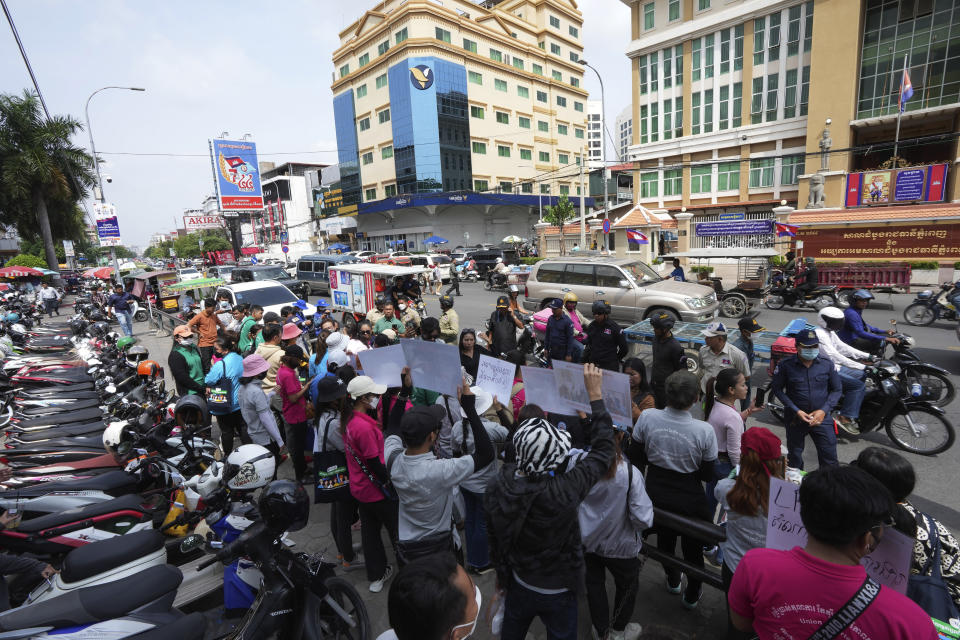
[495, 376]
[539, 387]
[433, 365]
[570, 386]
[616, 397]
[889, 564]
[384, 364]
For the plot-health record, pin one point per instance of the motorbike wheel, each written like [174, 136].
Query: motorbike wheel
[921, 430]
[141, 316]
[488, 285]
[352, 604]
[733, 306]
[824, 300]
[939, 388]
[774, 302]
[843, 298]
[919, 315]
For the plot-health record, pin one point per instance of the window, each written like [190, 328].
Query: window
[573, 31]
[667, 119]
[526, 154]
[367, 158]
[506, 186]
[361, 91]
[773, 37]
[363, 60]
[728, 176]
[364, 124]
[772, 81]
[759, 25]
[578, 106]
[543, 126]
[383, 47]
[574, 81]
[737, 104]
[474, 77]
[654, 127]
[476, 112]
[544, 188]
[761, 173]
[563, 159]
[541, 96]
[441, 34]
[808, 25]
[390, 190]
[724, 107]
[678, 65]
[648, 185]
[708, 111]
[574, 56]
[695, 48]
[554, 48]
[700, 179]
[499, 85]
[537, 69]
[648, 15]
[400, 36]
[695, 118]
[562, 129]
[524, 122]
[381, 81]
[556, 75]
[544, 156]
[804, 90]
[577, 160]
[479, 147]
[542, 45]
[667, 68]
[793, 31]
[643, 74]
[703, 5]
[470, 45]
[724, 51]
[564, 189]
[673, 10]
[678, 116]
[344, 70]
[480, 185]
[503, 118]
[496, 56]
[708, 56]
[518, 63]
[792, 170]
[555, 22]
[790, 95]
[673, 182]
[738, 47]
[578, 133]
[386, 152]
[384, 116]
[370, 194]
[644, 137]
[561, 101]
[653, 72]
[608, 275]
[526, 187]
[523, 92]
[503, 151]
[756, 104]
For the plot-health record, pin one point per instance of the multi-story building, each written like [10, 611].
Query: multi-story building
[457, 117]
[595, 139]
[287, 217]
[624, 133]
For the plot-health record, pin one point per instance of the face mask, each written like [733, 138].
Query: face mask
[188, 342]
[809, 353]
[471, 626]
[374, 401]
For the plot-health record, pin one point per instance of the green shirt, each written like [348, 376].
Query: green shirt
[383, 324]
[244, 342]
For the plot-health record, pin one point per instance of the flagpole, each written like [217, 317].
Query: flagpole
[896, 139]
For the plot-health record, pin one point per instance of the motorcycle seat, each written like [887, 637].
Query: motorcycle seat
[98, 557]
[107, 482]
[65, 431]
[189, 627]
[61, 418]
[96, 603]
[51, 520]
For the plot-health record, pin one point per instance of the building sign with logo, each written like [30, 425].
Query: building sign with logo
[735, 228]
[421, 77]
[890, 186]
[904, 242]
[108, 229]
[236, 175]
[192, 223]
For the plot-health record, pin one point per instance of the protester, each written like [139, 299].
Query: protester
[668, 355]
[365, 333]
[532, 516]
[559, 341]
[294, 407]
[271, 351]
[254, 407]
[748, 327]
[580, 323]
[470, 353]
[606, 343]
[430, 329]
[518, 396]
[792, 594]
[207, 323]
[241, 313]
[681, 452]
[449, 320]
[641, 393]
[185, 363]
[719, 354]
[223, 396]
[268, 319]
[119, 305]
[317, 363]
[355, 342]
[502, 328]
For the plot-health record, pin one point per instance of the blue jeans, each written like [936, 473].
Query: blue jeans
[125, 319]
[478, 549]
[824, 439]
[853, 391]
[557, 611]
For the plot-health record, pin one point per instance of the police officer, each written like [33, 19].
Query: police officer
[559, 336]
[606, 344]
[809, 387]
[449, 320]
[454, 279]
[668, 355]
[375, 314]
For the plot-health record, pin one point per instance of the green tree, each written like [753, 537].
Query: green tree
[27, 260]
[558, 215]
[189, 245]
[41, 171]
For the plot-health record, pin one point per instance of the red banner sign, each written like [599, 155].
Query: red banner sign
[902, 242]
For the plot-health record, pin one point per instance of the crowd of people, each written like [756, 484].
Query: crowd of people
[469, 484]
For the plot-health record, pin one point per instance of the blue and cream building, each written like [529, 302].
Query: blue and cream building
[457, 118]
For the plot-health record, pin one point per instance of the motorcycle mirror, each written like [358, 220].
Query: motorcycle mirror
[191, 542]
[110, 388]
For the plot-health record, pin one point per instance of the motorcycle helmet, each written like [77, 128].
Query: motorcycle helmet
[861, 294]
[499, 260]
[809, 260]
[601, 308]
[125, 342]
[118, 440]
[513, 289]
[662, 320]
[570, 297]
[12, 318]
[149, 369]
[832, 318]
[111, 337]
[98, 329]
[284, 506]
[137, 354]
[191, 410]
[250, 466]
[96, 316]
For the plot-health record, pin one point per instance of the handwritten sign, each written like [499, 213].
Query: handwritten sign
[570, 387]
[889, 564]
[433, 365]
[495, 377]
[616, 397]
[384, 364]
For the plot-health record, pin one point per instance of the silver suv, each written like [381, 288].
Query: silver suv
[631, 288]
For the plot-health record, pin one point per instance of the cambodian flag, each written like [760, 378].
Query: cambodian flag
[635, 236]
[906, 90]
[785, 229]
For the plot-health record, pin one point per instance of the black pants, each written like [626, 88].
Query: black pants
[454, 284]
[373, 517]
[342, 517]
[232, 426]
[205, 354]
[611, 364]
[626, 578]
[659, 396]
[732, 632]
[296, 434]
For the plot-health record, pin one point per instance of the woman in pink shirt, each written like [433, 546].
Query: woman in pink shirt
[294, 407]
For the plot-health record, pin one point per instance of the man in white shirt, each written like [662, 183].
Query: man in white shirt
[846, 359]
[49, 297]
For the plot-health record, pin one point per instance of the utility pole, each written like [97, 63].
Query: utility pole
[583, 199]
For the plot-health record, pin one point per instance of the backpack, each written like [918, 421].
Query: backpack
[928, 588]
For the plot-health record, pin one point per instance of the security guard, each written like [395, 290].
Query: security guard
[375, 314]
[809, 387]
[668, 355]
[606, 344]
[449, 321]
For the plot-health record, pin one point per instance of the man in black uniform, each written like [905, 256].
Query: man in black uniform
[668, 355]
[502, 328]
[454, 279]
[606, 344]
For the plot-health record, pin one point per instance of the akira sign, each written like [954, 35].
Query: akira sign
[887, 186]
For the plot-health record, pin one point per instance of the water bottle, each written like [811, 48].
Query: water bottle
[916, 389]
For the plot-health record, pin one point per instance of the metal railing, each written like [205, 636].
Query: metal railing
[163, 321]
[706, 532]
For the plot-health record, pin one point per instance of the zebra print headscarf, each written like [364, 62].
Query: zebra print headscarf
[540, 446]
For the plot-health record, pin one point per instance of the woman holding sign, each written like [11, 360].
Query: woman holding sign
[470, 352]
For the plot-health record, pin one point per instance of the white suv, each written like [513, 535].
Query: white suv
[269, 294]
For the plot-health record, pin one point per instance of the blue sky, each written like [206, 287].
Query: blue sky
[208, 67]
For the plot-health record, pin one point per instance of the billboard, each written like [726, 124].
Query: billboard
[891, 186]
[108, 229]
[192, 223]
[236, 175]
[68, 250]
[924, 241]
[734, 228]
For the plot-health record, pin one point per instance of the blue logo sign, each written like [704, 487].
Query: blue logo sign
[238, 175]
[421, 77]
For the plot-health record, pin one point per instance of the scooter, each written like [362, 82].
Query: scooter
[786, 296]
[927, 308]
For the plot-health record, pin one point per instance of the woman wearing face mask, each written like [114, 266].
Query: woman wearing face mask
[255, 408]
[363, 441]
[224, 380]
[294, 406]
[185, 363]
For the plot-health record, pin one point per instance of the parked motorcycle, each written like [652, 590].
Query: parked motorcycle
[927, 308]
[781, 296]
[934, 382]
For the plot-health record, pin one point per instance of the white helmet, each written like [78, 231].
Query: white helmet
[832, 318]
[249, 467]
[499, 260]
[117, 440]
[207, 483]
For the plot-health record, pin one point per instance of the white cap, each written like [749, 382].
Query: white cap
[714, 329]
[362, 385]
[337, 341]
[337, 357]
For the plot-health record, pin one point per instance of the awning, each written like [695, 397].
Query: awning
[146, 275]
[189, 285]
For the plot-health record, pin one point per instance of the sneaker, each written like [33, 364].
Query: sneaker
[711, 556]
[687, 604]
[848, 425]
[674, 589]
[353, 564]
[479, 571]
[377, 585]
[632, 631]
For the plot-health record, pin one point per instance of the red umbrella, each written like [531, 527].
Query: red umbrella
[104, 273]
[19, 272]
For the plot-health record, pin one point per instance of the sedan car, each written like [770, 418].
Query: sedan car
[189, 273]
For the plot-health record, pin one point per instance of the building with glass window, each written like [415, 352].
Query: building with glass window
[624, 133]
[458, 118]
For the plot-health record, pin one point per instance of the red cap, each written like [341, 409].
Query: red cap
[763, 441]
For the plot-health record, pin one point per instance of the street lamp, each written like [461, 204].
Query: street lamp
[603, 150]
[96, 161]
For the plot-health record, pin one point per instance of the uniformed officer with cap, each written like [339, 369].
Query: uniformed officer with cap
[668, 355]
[449, 321]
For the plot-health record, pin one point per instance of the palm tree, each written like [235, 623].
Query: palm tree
[39, 166]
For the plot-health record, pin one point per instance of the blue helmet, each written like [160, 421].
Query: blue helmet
[13, 317]
[862, 294]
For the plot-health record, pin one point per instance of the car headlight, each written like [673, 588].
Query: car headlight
[694, 303]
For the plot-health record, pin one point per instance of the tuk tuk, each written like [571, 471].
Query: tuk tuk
[354, 287]
[169, 300]
[752, 283]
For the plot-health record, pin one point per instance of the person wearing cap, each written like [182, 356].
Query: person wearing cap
[373, 315]
[744, 342]
[535, 540]
[718, 354]
[185, 364]
[744, 499]
[809, 387]
[389, 321]
[294, 406]
[408, 316]
[254, 407]
[558, 340]
[449, 320]
[606, 344]
[668, 355]
[502, 328]
[207, 323]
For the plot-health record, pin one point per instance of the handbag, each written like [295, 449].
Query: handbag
[388, 491]
[331, 480]
[845, 616]
[220, 394]
[928, 588]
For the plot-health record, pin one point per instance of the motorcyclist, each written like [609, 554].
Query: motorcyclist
[514, 292]
[856, 332]
[580, 323]
[954, 296]
[498, 274]
[411, 287]
[846, 360]
[808, 280]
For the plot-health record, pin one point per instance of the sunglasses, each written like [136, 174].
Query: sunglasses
[366, 333]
